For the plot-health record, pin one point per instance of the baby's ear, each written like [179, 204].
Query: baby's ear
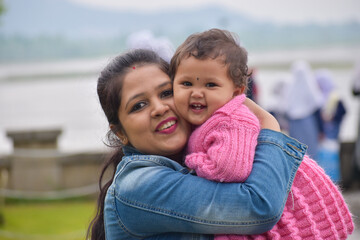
[239, 90]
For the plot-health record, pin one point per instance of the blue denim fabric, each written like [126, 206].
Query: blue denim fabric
[153, 197]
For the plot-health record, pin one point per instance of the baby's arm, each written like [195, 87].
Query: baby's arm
[223, 147]
[227, 156]
[266, 119]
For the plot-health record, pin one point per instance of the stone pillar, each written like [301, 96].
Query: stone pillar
[34, 164]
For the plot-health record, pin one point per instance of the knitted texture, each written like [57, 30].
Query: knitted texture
[315, 209]
[231, 133]
[222, 149]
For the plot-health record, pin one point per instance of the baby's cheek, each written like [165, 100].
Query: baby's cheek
[180, 105]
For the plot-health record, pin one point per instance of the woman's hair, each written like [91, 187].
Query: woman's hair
[212, 44]
[109, 90]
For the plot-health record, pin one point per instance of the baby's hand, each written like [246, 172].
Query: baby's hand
[266, 119]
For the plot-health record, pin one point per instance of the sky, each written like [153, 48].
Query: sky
[278, 11]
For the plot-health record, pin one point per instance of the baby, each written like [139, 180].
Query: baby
[209, 72]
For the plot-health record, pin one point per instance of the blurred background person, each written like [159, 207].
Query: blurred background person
[356, 80]
[333, 108]
[356, 92]
[276, 103]
[303, 103]
[332, 114]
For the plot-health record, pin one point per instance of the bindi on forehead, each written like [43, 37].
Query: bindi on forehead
[197, 78]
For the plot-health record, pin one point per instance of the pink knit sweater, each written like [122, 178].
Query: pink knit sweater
[223, 148]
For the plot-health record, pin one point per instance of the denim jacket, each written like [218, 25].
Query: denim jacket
[153, 197]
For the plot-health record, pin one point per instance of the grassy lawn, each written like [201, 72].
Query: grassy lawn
[50, 220]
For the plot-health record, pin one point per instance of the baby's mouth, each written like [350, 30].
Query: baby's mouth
[197, 106]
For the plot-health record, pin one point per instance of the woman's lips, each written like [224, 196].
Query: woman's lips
[167, 126]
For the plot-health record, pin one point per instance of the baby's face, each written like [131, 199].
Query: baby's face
[201, 87]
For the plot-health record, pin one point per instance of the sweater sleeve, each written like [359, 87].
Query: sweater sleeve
[228, 150]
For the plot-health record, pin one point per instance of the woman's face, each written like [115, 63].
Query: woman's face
[147, 113]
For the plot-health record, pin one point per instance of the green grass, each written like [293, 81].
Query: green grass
[50, 220]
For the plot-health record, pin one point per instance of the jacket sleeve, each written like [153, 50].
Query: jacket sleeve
[154, 199]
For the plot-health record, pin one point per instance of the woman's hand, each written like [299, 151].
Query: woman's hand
[266, 119]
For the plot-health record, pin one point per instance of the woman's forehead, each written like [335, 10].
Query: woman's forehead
[144, 79]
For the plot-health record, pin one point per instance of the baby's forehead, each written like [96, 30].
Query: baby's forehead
[221, 59]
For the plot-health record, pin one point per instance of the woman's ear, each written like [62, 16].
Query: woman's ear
[120, 134]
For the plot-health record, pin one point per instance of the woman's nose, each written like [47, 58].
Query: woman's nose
[159, 109]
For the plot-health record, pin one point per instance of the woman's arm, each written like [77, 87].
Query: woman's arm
[164, 199]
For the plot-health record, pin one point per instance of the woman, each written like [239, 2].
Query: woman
[152, 195]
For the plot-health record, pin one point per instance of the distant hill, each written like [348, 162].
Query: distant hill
[45, 29]
[59, 17]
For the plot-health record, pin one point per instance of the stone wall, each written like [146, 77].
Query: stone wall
[36, 164]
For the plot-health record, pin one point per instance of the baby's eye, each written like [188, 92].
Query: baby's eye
[138, 106]
[187, 84]
[166, 93]
[211, 85]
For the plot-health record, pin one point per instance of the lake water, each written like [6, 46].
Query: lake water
[69, 104]
[33, 97]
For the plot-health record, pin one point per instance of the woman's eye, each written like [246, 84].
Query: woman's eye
[166, 93]
[211, 85]
[138, 106]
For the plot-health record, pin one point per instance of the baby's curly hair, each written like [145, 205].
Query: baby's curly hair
[215, 43]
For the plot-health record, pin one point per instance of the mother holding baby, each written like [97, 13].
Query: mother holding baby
[152, 194]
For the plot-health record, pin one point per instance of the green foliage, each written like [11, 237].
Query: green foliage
[42, 48]
[2, 8]
[19, 48]
[53, 220]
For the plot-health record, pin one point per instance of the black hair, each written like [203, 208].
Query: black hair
[109, 89]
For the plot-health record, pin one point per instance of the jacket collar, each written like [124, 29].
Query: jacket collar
[128, 151]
